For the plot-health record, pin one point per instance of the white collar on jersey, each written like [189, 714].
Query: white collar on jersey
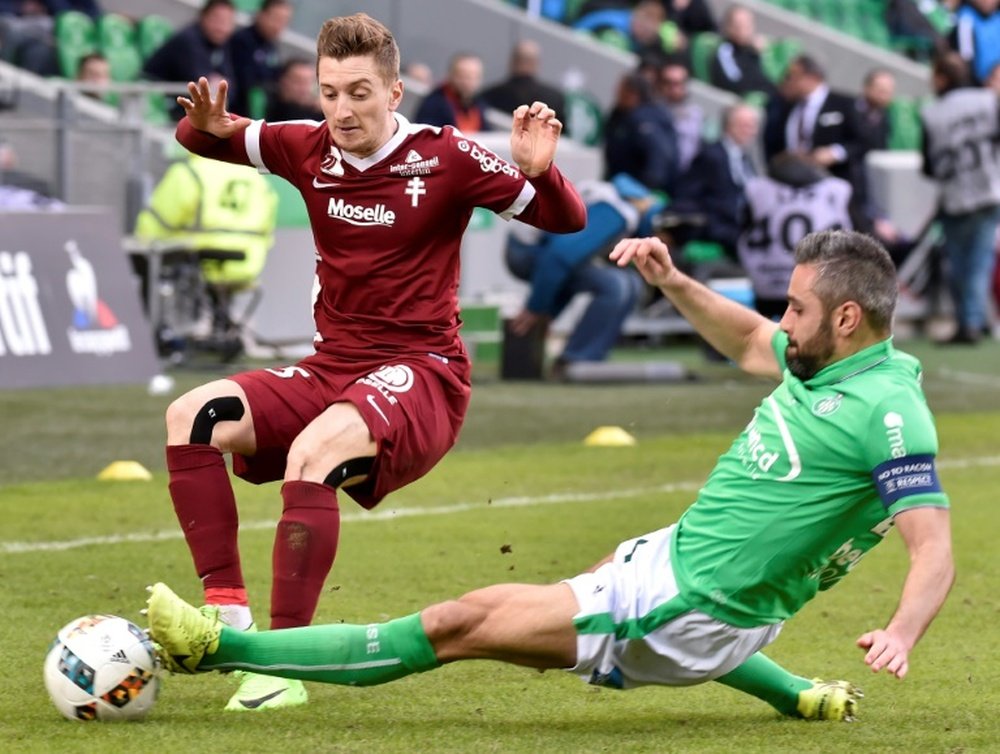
[403, 129]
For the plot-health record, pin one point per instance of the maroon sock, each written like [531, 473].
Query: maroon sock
[206, 509]
[305, 545]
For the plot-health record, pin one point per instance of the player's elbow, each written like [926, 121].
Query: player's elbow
[576, 217]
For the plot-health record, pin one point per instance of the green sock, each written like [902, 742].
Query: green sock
[767, 680]
[341, 653]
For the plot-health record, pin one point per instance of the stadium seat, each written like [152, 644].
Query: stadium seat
[247, 6]
[151, 32]
[614, 38]
[703, 47]
[76, 36]
[905, 132]
[583, 118]
[777, 55]
[116, 39]
[256, 102]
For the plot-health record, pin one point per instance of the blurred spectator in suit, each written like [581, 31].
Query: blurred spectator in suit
[736, 66]
[199, 49]
[639, 136]
[296, 97]
[689, 119]
[560, 266]
[255, 52]
[821, 124]
[457, 102]
[961, 130]
[877, 91]
[691, 16]
[713, 188]
[976, 36]
[522, 86]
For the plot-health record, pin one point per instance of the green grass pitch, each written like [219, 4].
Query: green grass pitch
[521, 481]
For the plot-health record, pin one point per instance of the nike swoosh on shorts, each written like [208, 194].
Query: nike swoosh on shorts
[255, 703]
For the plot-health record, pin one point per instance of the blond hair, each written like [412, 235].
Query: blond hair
[360, 35]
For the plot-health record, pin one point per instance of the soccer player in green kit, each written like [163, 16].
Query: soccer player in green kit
[839, 453]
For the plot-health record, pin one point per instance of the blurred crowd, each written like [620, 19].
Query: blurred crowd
[732, 194]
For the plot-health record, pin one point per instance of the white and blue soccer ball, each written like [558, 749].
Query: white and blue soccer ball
[102, 667]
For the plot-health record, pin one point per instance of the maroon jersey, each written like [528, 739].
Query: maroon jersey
[388, 227]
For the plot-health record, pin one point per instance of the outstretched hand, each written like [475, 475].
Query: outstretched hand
[651, 257]
[885, 651]
[533, 138]
[209, 114]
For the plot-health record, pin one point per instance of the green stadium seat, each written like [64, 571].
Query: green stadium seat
[583, 118]
[256, 102]
[572, 11]
[703, 47]
[614, 38]
[247, 6]
[905, 132]
[151, 32]
[116, 37]
[76, 36]
[777, 55]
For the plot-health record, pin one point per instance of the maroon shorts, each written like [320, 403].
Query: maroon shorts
[414, 407]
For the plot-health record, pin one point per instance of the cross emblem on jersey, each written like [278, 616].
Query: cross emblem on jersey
[415, 189]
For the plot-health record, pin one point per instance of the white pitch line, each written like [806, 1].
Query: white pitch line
[969, 378]
[386, 514]
[389, 514]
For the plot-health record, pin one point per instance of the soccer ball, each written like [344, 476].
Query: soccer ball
[102, 667]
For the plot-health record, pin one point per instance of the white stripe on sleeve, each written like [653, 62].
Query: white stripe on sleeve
[252, 141]
[515, 209]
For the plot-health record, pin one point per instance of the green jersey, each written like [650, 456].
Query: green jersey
[809, 487]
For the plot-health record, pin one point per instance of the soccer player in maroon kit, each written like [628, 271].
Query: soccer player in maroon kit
[385, 394]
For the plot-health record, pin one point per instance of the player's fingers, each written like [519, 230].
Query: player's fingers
[555, 124]
[624, 251]
[897, 662]
[537, 107]
[903, 670]
[204, 91]
[187, 104]
[865, 640]
[878, 647]
[221, 93]
[545, 114]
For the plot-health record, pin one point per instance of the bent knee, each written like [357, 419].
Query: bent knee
[447, 623]
[193, 418]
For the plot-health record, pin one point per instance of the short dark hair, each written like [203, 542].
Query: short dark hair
[211, 5]
[268, 4]
[952, 70]
[810, 66]
[295, 63]
[852, 266]
[357, 36]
